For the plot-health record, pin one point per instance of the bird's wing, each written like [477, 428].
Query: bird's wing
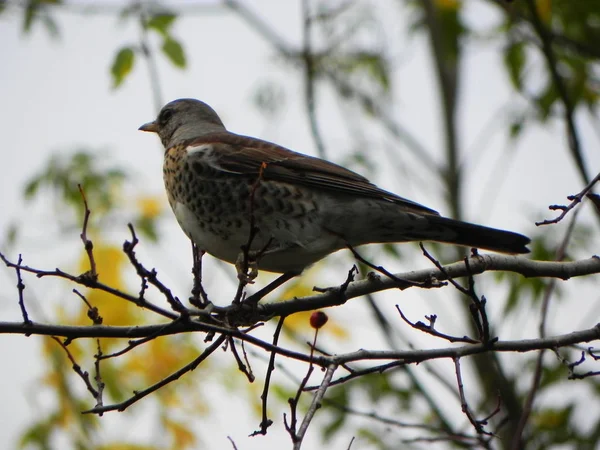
[254, 157]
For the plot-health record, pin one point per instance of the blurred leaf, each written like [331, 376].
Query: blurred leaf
[147, 227]
[37, 10]
[12, 234]
[161, 23]
[174, 51]
[550, 418]
[371, 437]
[516, 127]
[514, 59]
[51, 26]
[371, 63]
[63, 173]
[544, 9]
[448, 4]
[337, 400]
[183, 437]
[150, 206]
[269, 98]
[38, 434]
[300, 322]
[110, 264]
[546, 100]
[122, 65]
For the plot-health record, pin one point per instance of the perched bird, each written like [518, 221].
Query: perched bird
[221, 185]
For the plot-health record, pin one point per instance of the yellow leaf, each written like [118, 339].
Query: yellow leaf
[182, 436]
[544, 8]
[300, 322]
[110, 263]
[150, 206]
[448, 4]
[161, 357]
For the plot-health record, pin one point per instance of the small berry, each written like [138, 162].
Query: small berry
[318, 319]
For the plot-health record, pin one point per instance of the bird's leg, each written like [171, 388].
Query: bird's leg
[247, 267]
[199, 297]
[282, 279]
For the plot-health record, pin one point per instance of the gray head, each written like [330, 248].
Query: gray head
[184, 119]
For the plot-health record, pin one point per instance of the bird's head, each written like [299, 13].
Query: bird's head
[184, 119]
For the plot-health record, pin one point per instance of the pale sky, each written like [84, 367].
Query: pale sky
[56, 95]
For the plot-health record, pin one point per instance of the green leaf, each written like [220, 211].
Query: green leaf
[122, 65]
[373, 64]
[32, 13]
[514, 59]
[174, 51]
[546, 100]
[161, 23]
[147, 228]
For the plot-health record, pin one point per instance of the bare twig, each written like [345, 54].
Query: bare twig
[138, 395]
[477, 306]
[133, 344]
[90, 284]
[477, 424]
[98, 377]
[316, 404]
[93, 312]
[85, 376]
[265, 423]
[87, 243]
[537, 375]
[150, 275]
[430, 329]
[244, 368]
[574, 199]
[21, 289]
[402, 284]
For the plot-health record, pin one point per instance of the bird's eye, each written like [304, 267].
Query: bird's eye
[165, 115]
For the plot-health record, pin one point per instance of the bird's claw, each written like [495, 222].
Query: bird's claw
[247, 267]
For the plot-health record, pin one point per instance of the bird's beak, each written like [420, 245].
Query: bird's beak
[150, 126]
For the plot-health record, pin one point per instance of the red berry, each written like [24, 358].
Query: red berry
[318, 319]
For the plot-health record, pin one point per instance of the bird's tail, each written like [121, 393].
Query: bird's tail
[471, 235]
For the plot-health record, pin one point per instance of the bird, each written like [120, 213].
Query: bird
[236, 196]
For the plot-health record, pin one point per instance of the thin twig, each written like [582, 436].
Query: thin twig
[574, 199]
[477, 424]
[138, 395]
[98, 378]
[150, 275]
[77, 368]
[87, 243]
[21, 289]
[90, 284]
[93, 312]
[430, 329]
[537, 375]
[316, 404]
[244, 368]
[402, 284]
[265, 423]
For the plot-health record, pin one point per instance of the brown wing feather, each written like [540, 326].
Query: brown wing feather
[245, 155]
